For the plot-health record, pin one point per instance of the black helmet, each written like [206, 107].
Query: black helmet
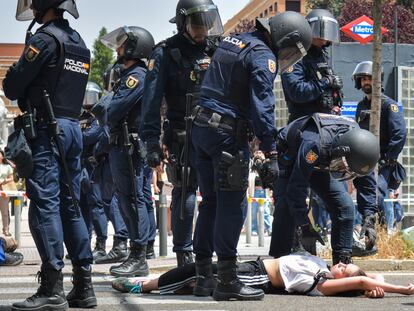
[355, 153]
[363, 69]
[291, 37]
[24, 8]
[200, 13]
[111, 75]
[138, 41]
[92, 94]
[323, 25]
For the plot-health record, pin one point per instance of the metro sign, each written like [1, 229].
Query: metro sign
[361, 29]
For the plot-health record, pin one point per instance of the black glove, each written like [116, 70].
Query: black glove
[309, 233]
[368, 231]
[269, 171]
[335, 82]
[154, 155]
[11, 68]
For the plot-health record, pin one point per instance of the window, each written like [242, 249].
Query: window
[293, 6]
[265, 12]
[261, 15]
[275, 6]
[271, 8]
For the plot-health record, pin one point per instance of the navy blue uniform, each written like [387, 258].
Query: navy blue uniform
[393, 133]
[305, 157]
[304, 85]
[237, 90]
[64, 74]
[171, 76]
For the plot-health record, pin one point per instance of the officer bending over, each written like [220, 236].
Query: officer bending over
[318, 152]
[56, 61]
[237, 92]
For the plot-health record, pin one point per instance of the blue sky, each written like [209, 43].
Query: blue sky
[94, 14]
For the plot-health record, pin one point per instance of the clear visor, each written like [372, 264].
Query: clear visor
[289, 56]
[325, 28]
[90, 99]
[24, 11]
[340, 170]
[116, 38]
[205, 21]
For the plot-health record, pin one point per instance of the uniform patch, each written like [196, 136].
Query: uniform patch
[131, 82]
[311, 157]
[31, 53]
[193, 76]
[394, 108]
[151, 64]
[290, 69]
[272, 66]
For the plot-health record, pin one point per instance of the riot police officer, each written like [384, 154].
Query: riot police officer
[55, 65]
[174, 71]
[393, 134]
[133, 45]
[319, 152]
[311, 85]
[237, 92]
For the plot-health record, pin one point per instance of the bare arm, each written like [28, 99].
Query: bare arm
[336, 286]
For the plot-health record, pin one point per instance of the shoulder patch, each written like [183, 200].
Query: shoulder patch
[31, 53]
[290, 69]
[311, 157]
[272, 66]
[131, 82]
[394, 108]
[151, 64]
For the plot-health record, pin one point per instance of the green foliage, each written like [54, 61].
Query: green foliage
[335, 6]
[102, 58]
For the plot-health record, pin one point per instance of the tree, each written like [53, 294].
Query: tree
[353, 9]
[102, 58]
[244, 25]
[335, 6]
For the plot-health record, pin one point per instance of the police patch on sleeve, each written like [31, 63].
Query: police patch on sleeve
[394, 108]
[311, 157]
[31, 53]
[272, 66]
[290, 69]
[132, 82]
[151, 64]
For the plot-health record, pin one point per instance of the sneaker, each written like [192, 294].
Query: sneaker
[126, 285]
[254, 233]
[12, 259]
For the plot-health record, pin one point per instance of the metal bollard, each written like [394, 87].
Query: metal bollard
[249, 222]
[17, 203]
[163, 236]
[260, 224]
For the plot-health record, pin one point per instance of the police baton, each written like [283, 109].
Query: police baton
[54, 131]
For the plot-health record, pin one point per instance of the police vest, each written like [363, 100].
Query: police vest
[189, 64]
[65, 81]
[227, 80]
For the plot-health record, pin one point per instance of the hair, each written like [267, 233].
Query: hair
[354, 293]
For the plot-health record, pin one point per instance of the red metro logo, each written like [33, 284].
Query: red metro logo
[361, 29]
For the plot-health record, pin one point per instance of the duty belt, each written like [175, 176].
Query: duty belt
[209, 118]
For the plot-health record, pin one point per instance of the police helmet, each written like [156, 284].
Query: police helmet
[111, 76]
[191, 13]
[290, 35]
[324, 25]
[92, 95]
[24, 11]
[355, 153]
[363, 69]
[138, 42]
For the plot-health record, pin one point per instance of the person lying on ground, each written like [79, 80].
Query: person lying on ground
[297, 273]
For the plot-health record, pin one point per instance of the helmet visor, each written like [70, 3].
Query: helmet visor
[24, 11]
[289, 56]
[92, 93]
[204, 21]
[325, 27]
[340, 170]
[116, 38]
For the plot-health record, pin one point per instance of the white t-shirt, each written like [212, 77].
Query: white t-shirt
[298, 271]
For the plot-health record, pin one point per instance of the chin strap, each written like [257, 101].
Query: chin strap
[29, 30]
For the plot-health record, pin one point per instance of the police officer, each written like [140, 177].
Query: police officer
[133, 45]
[237, 92]
[173, 72]
[393, 134]
[311, 85]
[319, 152]
[56, 61]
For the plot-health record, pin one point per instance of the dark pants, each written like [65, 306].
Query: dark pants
[148, 202]
[52, 217]
[221, 213]
[366, 187]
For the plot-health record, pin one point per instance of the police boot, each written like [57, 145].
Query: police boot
[368, 232]
[150, 250]
[118, 253]
[99, 250]
[49, 296]
[343, 257]
[229, 287]
[135, 265]
[82, 294]
[205, 282]
[184, 258]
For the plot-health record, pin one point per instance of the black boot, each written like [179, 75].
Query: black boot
[49, 296]
[229, 287]
[150, 250]
[99, 251]
[135, 265]
[344, 257]
[184, 258]
[118, 253]
[82, 294]
[205, 282]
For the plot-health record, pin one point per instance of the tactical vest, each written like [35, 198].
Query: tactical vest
[66, 80]
[227, 81]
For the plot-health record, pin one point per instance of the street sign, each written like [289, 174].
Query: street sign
[361, 29]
